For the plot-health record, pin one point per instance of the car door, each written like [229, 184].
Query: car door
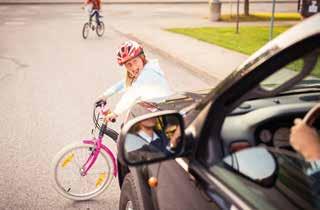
[176, 189]
[241, 85]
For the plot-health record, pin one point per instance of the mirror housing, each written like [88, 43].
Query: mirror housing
[151, 138]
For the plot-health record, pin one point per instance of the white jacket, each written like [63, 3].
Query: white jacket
[151, 85]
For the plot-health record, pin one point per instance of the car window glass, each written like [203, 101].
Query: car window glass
[290, 71]
[289, 182]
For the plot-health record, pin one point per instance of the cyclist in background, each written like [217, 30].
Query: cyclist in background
[144, 80]
[93, 7]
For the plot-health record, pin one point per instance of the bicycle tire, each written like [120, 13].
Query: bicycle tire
[85, 30]
[100, 29]
[67, 164]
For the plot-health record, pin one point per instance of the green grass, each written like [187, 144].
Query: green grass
[247, 41]
[297, 66]
[262, 17]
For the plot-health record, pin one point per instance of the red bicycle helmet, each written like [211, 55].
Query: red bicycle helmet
[128, 50]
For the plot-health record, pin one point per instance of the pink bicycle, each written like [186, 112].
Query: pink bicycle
[85, 169]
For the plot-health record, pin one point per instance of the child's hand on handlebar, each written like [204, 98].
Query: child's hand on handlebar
[111, 116]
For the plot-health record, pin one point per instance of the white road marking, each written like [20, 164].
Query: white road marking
[18, 19]
[77, 14]
[35, 7]
[14, 23]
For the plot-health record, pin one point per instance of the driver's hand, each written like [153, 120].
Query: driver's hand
[305, 140]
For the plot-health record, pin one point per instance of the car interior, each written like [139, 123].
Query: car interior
[267, 120]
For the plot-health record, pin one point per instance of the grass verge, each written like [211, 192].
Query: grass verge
[249, 40]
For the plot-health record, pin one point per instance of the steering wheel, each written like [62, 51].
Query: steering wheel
[312, 115]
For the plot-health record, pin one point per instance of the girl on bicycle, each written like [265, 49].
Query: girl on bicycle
[144, 80]
[93, 7]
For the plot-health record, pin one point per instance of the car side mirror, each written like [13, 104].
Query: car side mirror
[151, 138]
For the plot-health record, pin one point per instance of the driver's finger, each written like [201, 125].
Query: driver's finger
[297, 121]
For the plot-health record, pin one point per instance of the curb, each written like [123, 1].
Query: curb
[201, 74]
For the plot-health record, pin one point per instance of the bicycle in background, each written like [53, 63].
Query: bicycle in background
[85, 169]
[94, 25]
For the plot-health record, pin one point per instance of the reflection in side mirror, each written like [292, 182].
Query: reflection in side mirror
[256, 164]
[153, 138]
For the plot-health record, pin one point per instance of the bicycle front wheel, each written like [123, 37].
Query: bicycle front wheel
[85, 30]
[67, 178]
[100, 29]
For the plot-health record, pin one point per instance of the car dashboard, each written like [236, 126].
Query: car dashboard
[267, 121]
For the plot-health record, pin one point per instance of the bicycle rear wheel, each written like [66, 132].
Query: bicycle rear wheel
[67, 178]
[100, 29]
[85, 30]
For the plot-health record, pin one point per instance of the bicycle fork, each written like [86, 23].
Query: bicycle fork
[97, 145]
[92, 158]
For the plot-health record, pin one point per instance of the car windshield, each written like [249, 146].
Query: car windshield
[290, 71]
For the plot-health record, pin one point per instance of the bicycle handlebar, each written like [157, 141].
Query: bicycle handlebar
[101, 103]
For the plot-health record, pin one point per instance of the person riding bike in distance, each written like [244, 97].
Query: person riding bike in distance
[144, 80]
[94, 7]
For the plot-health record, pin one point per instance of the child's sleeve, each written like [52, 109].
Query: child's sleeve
[116, 88]
[127, 100]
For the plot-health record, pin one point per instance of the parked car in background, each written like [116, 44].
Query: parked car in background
[228, 147]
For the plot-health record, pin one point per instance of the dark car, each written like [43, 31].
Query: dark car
[228, 147]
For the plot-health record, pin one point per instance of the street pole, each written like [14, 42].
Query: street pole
[237, 27]
[272, 20]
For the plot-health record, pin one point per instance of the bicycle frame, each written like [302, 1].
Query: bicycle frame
[98, 145]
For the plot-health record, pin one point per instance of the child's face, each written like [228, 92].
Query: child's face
[134, 66]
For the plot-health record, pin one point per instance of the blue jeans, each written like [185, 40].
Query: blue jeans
[95, 13]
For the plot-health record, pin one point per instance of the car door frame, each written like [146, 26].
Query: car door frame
[227, 97]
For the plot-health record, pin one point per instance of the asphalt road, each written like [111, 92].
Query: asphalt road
[49, 78]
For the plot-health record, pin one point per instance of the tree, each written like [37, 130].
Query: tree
[246, 7]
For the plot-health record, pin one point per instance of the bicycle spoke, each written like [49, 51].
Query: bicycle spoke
[95, 173]
[74, 169]
[77, 161]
